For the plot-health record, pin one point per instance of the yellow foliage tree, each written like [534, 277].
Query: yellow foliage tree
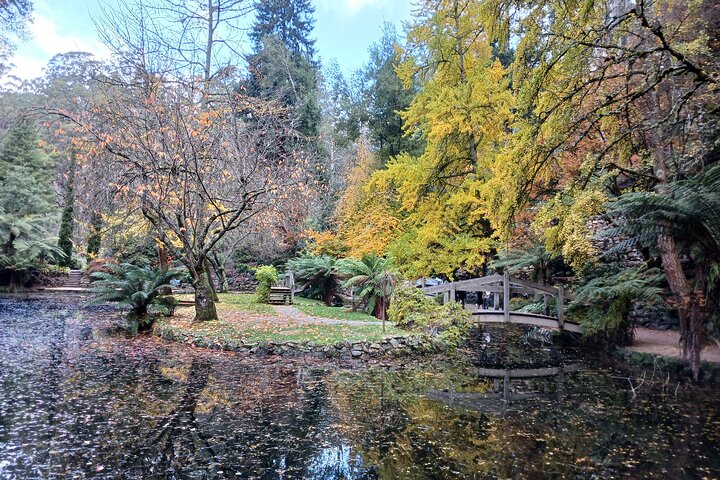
[367, 221]
[462, 111]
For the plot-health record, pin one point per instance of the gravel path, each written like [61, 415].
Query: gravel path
[666, 342]
[288, 311]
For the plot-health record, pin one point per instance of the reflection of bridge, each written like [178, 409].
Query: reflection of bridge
[497, 400]
[503, 286]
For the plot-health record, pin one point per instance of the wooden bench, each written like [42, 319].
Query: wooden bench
[280, 296]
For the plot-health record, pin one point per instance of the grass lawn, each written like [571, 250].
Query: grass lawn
[241, 301]
[237, 323]
[316, 308]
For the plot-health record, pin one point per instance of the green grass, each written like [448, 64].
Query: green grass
[235, 324]
[316, 308]
[242, 301]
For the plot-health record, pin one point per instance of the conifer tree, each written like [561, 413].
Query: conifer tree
[282, 67]
[67, 220]
[290, 21]
[26, 203]
[95, 238]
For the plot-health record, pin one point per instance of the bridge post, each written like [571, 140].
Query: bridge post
[546, 307]
[506, 296]
[452, 292]
[560, 313]
[446, 296]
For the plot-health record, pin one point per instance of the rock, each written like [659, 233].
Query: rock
[356, 353]
[394, 343]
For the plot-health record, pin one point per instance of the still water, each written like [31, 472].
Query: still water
[79, 401]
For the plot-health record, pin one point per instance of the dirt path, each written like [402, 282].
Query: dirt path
[666, 342]
[288, 311]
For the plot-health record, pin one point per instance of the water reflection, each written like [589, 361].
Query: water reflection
[78, 402]
[504, 392]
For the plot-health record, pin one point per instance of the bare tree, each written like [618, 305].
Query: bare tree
[194, 156]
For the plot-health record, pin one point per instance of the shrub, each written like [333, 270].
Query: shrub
[410, 308]
[603, 301]
[266, 276]
[137, 288]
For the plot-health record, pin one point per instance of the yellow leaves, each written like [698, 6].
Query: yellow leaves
[325, 243]
[563, 224]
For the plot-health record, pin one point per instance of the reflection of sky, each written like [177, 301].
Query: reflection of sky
[335, 462]
[72, 400]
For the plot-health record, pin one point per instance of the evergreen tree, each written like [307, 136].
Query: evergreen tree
[26, 204]
[282, 67]
[290, 21]
[67, 221]
[25, 173]
[95, 238]
[386, 96]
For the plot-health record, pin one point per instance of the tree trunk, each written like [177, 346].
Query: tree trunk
[219, 269]
[380, 311]
[222, 277]
[329, 292]
[163, 260]
[689, 312]
[210, 282]
[204, 297]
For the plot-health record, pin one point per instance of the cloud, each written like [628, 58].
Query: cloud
[27, 68]
[46, 37]
[47, 41]
[350, 7]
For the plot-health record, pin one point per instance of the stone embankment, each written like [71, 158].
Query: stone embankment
[389, 347]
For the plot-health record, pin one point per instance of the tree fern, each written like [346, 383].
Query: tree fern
[372, 280]
[319, 274]
[134, 288]
[603, 302]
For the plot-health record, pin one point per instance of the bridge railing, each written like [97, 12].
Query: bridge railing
[502, 286]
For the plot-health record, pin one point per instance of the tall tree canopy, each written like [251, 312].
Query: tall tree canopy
[290, 21]
[461, 112]
[27, 203]
[282, 66]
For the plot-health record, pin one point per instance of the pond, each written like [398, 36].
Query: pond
[79, 401]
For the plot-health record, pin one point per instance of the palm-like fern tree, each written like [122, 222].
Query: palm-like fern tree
[372, 279]
[604, 301]
[25, 245]
[688, 213]
[134, 287]
[319, 274]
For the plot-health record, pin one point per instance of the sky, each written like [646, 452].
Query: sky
[344, 30]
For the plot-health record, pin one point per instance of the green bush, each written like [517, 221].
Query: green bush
[266, 276]
[136, 288]
[605, 297]
[410, 308]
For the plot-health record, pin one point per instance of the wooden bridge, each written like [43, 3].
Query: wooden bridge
[502, 395]
[502, 288]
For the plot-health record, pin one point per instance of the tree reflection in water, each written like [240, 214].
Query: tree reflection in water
[75, 402]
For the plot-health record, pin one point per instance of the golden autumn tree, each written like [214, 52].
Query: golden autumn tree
[366, 220]
[612, 97]
[462, 112]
